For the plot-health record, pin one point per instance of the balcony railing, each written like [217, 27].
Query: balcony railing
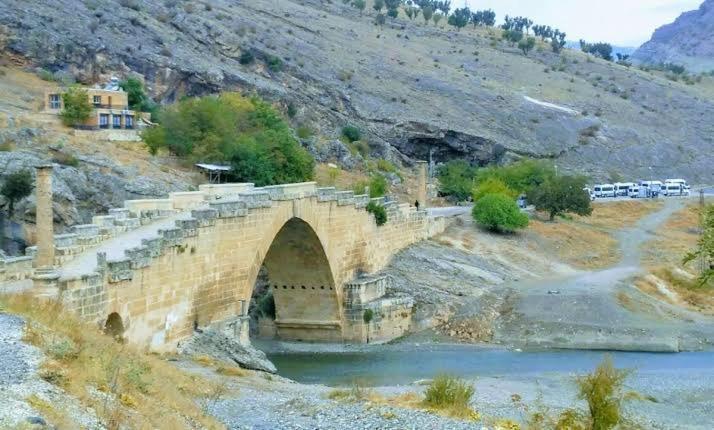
[113, 107]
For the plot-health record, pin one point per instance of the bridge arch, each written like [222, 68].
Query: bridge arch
[302, 283]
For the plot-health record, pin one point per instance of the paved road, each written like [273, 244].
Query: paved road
[449, 211]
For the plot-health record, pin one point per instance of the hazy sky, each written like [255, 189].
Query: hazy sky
[620, 22]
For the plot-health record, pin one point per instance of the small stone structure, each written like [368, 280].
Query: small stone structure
[166, 266]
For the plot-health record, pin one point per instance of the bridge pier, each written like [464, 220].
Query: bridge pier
[422, 182]
[45, 276]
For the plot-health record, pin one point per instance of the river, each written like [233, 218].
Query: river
[404, 363]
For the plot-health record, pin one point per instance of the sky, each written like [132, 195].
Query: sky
[620, 22]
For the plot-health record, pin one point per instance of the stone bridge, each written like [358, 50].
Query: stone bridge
[155, 270]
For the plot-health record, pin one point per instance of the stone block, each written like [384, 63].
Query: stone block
[345, 198]
[326, 194]
[119, 213]
[139, 257]
[361, 201]
[85, 230]
[205, 217]
[153, 245]
[256, 199]
[189, 226]
[119, 270]
[229, 208]
[65, 240]
[171, 236]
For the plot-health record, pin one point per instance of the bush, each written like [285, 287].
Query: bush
[17, 186]
[456, 179]
[304, 132]
[380, 214]
[378, 186]
[77, 108]
[520, 176]
[368, 316]
[275, 64]
[138, 99]
[65, 159]
[246, 132]
[246, 57]
[602, 390]
[561, 194]
[492, 186]
[351, 133]
[499, 212]
[450, 394]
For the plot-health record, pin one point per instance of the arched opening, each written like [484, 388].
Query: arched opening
[296, 272]
[114, 326]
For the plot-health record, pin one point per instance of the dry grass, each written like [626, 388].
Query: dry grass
[677, 236]
[126, 387]
[231, 371]
[579, 245]
[684, 286]
[57, 417]
[619, 214]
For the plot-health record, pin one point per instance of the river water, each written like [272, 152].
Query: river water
[403, 364]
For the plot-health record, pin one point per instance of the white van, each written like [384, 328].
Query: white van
[673, 189]
[676, 181]
[623, 188]
[604, 190]
[652, 188]
[634, 192]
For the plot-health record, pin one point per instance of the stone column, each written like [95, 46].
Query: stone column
[422, 184]
[45, 275]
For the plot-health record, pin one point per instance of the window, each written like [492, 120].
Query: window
[104, 120]
[54, 101]
[116, 121]
[129, 121]
[97, 100]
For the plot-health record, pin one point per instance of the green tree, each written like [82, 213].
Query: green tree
[246, 132]
[460, 18]
[138, 100]
[77, 108]
[602, 390]
[380, 214]
[705, 247]
[378, 6]
[392, 7]
[561, 194]
[456, 179]
[378, 186]
[380, 20]
[498, 212]
[359, 5]
[526, 45]
[600, 49]
[520, 176]
[351, 133]
[558, 42]
[492, 186]
[436, 18]
[513, 36]
[17, 186]
[427, 12]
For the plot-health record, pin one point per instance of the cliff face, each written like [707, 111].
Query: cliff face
[412, 88]
[688, 41]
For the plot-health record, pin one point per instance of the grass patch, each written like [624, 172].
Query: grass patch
[579, 245]
[450, 396]
[136, 389]
[57, 417]
[231, 371]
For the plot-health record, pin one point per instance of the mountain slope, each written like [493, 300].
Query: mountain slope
[688, 41]
[412, 88]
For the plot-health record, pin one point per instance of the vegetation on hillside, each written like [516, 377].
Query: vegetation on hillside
[499, 212]
[245, 132]
[379, 213]
[138, 99]
[17, 186]
[705, 248]
[561, 194]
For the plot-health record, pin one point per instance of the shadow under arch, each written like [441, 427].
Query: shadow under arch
[300, 278]
[114, 326]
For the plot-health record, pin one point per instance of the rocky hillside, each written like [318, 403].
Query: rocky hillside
[413, 89]
[688, 41]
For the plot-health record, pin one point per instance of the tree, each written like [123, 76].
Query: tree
[513, 36]
[411, 12]
[17, 186]
[393, 7]
[498, 212]
[138, 100]
[427, 12]
[558, 42]
[380, 20]
[456, 179]
[360, 5]
[460, 18]
[521, 176]
[526, 45]
[351, 132]
[600, 49]
[378, 5]
[77, 108]
[393, 13]
[436, 18]
[602, 390]
[247, 133]
[492, 186]
[561, 194]
[705, 247]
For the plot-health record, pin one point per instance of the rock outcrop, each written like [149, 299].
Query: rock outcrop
[412, 89]
[688, 41]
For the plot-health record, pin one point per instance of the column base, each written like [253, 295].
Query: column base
[45, 282]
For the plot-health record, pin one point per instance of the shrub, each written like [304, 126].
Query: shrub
[275, 64]
[246, 132]
[456, 179]
[65, 159]
[450, 394]
[77, 108]
[351, 133]
[492, 186]
[705, 247]
[378, 186]
[17, 186]
[246, 57]
[304, 132]
[498, 212]
[602, 390]
[368, 316]
[360, 147]
[380, 214]
[561, 194]
[138, 99]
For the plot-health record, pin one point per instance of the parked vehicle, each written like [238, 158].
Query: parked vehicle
[623, 188]
[652, 188]
[634, 192]
[673, 189]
